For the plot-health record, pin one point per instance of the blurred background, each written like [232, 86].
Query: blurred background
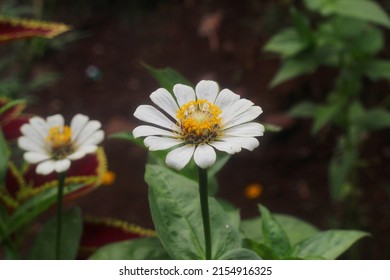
[97, 69]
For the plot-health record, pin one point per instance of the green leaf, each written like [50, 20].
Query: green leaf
[5, 154]
[175, 207]
[262, 250]
[274, 235]
[286, 43]
[35, 206]
[328, 244]
[240, 254]
[295, 228]
[324, 114]
[147, 248]
[292, 68]
[359, 9]
[44, 244]
[304, 109]
[341, 165]
[167, 77]
[129, 137]
[373, 119]
[378, 69]
[302, 26]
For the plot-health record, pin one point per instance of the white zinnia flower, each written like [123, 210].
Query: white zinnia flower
[52, 144]
[197, 122]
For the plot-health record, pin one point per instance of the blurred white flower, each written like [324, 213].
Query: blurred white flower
[53, 145]
[197, 122]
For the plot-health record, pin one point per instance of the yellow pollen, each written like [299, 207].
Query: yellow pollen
[200, 121]
[60, 141]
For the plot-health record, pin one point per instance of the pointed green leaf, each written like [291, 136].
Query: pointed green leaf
[147, 248]
[304, 109]
[240, 254]
[286, 43]
[175, 207]
[167, 77]
[274, 235]
[44, 244]
[328, 244]
[378, 69]
[262, 250]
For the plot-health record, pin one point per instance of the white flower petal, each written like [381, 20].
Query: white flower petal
[228, 147]
[62, 165]
[156, 143]
[226, 98]
[28, 144]
[150, 114]
[163, 99]
[204, 156]
[82, 151]
[178, 158]
[89, 129]
[183, 94]
[56, 120]
[249, 143]
[45, 167]
[34, 157]
[246, 116]
[251, 129]
[237, 108]
[207, 90]
[94, 139]
[40, 126]
[147, 130]
[77, 123]
[30, 132]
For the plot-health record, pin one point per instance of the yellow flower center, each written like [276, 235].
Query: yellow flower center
[60, 141]
[199, 122]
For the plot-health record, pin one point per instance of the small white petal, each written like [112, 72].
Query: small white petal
[89, 129]
[228, 147]
[163, 99]
[248, 143]
[150, 114]
[62, 165]
[237, 108]
[226, 98]
[45, 167]
[34, 157]
[251, 129]
[30, 132]
[94, 139]
[56, 120]
[77, 123]
[156, 143]
[207, 90]
[249, 115]
[204, 156]
[30, 145]
[178, 158]
[147, 130]
[82, 151]
[40, 126]
[183, 94]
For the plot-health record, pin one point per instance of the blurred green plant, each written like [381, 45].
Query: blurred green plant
[344, 35]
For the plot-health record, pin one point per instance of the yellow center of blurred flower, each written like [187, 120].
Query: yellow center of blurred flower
[60, 141]
[253, 191]
[199, 122]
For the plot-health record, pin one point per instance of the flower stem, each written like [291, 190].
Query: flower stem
[204, 205]
[60, 193]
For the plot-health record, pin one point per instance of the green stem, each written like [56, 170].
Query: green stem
[204, 205]
[60, 193]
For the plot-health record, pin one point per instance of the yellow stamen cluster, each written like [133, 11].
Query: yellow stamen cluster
[60, 141]
[199, 122]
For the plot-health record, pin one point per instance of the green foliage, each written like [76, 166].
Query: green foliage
[5, 153]
[292, 238]
[148, 248]
[44, 243]
[174, 203]
[167, 77]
